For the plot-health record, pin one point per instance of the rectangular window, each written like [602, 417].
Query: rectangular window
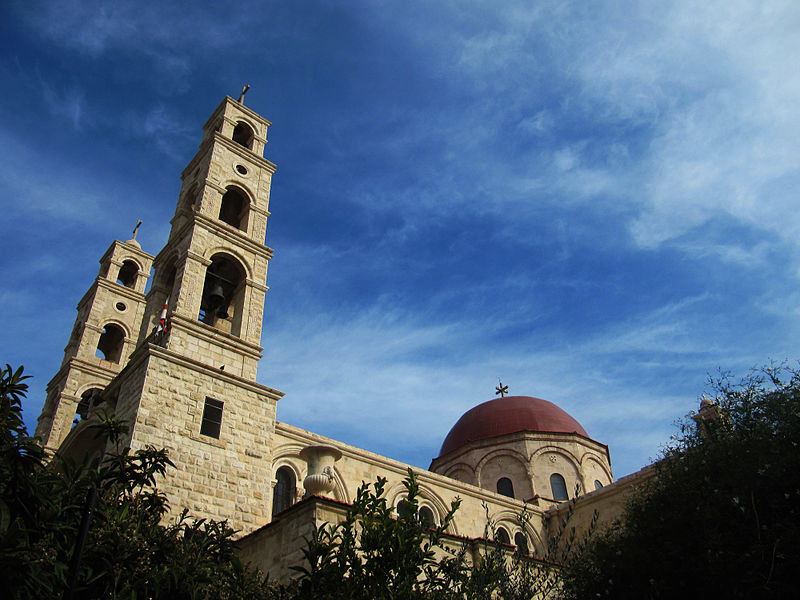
[212, 418]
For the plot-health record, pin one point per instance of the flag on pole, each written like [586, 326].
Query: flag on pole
[162, 322]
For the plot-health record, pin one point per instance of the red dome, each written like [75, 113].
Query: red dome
[509, 415]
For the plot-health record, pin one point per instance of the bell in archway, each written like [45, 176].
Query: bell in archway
[216, 297]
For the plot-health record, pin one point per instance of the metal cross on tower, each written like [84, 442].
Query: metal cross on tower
[241, 96]
[501, 389]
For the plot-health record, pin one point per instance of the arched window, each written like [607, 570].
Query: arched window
[597, 484]
[505, 487]
[426, 517]
[89, 398]
[283, 494]
[234, 208]
[402, 509]
[521, 542]
[222, 303]
[109, 347]
[190, 200]
[559, 487]
[243, 135]
[128, 273]
[501, 535]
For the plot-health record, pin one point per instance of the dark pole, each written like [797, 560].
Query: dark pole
[75, 563]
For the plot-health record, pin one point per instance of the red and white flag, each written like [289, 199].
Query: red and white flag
[162, 322]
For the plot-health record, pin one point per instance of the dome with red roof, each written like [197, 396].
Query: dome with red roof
[510, 414]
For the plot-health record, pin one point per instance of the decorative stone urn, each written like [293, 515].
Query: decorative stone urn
[320, 459]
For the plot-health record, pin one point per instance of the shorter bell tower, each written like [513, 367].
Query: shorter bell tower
[102, 339]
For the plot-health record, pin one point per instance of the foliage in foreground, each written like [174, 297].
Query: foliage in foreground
[721, 517]
[128, 553]
[372, 555]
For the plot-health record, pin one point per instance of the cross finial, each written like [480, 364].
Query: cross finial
[241, 96]
[501, 389]
[135, 229]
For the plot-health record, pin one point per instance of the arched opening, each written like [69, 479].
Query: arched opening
[501, 535]
[402, 509]
[426, 517]
[128, 273]
[559, 487]
[234, 208]
[190, 200]
[222, 303]
[89, 398]
[521, 542]
[283, 494]
[243, 135]
[505, 487]
[111, 342]
[597, 484]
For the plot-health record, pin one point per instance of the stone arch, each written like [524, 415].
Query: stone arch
[235, 206]
[505, 463]
[111, 344]
[588, 459]
[243, 186]
[502, 535]
[284, 491]
[463, 468]
[223, 300]
[243, 261]
[510, 520]
[427, 516]
[244, 134]
[560, 461]
[89, 395]
[426, 497]
[550, 448]
[129, 271]
[286, 461]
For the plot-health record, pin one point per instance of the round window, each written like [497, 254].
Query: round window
[242, 170]
[120, 306]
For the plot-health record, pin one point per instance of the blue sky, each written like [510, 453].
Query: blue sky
[596, 202]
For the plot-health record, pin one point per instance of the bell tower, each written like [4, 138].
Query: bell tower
[190, 386]
[213, 269]
[103, 337]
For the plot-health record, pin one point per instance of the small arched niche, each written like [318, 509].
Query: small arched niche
[222, 304]
[284, 492]
[234, 208]
[128, 274]
[243, 135]
[111, 342]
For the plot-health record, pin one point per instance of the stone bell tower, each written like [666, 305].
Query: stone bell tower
[190, 387]
[103, 337]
